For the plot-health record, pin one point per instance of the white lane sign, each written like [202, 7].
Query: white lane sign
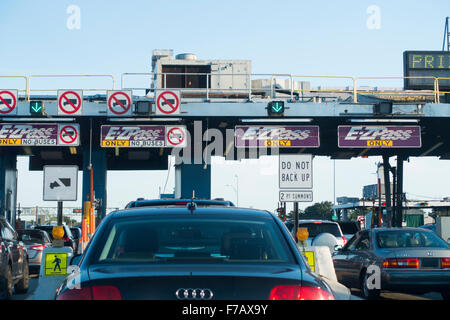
[60, 183]
[296, 196]
[70, 102]
[8, 101]
[69, 134]
[119, 102]
[175, 136]
[295, 171]
[167, 102]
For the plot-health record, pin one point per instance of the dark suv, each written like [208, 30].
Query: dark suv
[68, 237]
[14, 273]
[141, 202]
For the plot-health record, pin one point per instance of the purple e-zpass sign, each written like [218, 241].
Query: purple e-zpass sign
[133, 136]
[379, 137]
[28, 134]
[274, 136]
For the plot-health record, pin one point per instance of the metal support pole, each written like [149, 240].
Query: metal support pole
[394, 196]
[296, 219]
[399, 217]
[60, 213]
[387, 191]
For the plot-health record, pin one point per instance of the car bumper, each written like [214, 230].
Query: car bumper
[415, 281]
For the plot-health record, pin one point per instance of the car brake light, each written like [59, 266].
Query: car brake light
[92, 293]
[317, 222]
[39, 247]
[181, 203]
[445, 263]
[344, 239]
[295, 292]
[401, 263]
[66, 239]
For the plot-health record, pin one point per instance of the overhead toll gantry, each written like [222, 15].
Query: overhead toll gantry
[195, 109]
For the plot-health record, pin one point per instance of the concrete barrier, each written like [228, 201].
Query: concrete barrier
[54, 265]
[319, 258]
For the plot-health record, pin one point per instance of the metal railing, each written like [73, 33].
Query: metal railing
[25, 90]
[160, 79]
[30, 89]
[241, 85]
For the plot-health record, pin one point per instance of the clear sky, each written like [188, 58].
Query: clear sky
[297, 37]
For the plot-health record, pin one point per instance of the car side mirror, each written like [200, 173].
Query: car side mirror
[75, 259]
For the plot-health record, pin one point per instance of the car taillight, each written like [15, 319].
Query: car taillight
[92, 293]
[401, 263]
[38, 247]
[66, 239]
[445, 263]
[295, 292]
[344, 239]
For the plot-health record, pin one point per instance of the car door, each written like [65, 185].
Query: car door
[358, 258]
[12, 247]
[342, 264]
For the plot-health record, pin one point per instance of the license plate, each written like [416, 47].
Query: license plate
[430, 263]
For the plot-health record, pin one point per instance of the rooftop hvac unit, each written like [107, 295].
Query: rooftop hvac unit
[222, 78]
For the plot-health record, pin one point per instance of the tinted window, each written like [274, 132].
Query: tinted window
[49, 229]
[31, 236]
[203, 240]
[349, 227]
[314, 229]
[76, 233]
[408, 239]
[364, 242]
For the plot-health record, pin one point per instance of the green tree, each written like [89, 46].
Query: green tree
[319, 210]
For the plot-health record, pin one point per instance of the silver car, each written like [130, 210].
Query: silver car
[407, 260]
[35, 241]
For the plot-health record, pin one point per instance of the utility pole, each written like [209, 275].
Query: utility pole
[446, 35]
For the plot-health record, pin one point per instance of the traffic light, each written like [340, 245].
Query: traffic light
[275, 108]
[36, 108]
[282, 213]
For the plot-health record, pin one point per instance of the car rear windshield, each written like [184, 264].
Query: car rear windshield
[31, 236]
[408, 239]
[205, 240]
[49, 229]
[316, 228]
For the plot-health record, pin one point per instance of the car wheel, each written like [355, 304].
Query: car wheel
[445, 295]
[22, 285]
[368, 294]
[7, 284]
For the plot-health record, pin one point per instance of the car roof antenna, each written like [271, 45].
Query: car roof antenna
[192, 205]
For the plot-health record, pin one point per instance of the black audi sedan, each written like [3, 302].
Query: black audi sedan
[193, 253]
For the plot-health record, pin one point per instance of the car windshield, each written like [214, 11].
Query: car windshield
[316, 228]
[210, 240]
[349, 227]
[408, 239]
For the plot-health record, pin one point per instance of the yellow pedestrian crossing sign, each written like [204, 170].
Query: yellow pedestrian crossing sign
[55, 264]
[311, 259]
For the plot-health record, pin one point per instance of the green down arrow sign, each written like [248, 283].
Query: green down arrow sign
[36, 107]
[276, 107]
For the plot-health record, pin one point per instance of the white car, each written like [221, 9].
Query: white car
[317, 227]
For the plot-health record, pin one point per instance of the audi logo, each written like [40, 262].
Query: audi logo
[194, 294]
